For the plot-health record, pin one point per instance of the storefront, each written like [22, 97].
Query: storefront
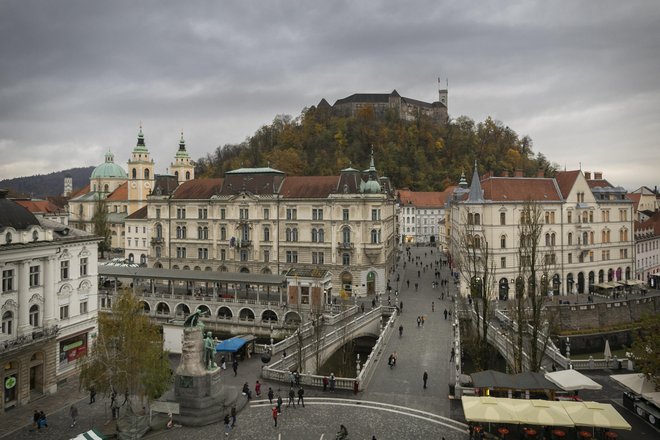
[71, 349]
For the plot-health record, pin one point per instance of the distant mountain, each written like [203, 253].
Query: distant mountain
[43, 185]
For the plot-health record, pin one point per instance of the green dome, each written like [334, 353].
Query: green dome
[109, 169]
[371, 187]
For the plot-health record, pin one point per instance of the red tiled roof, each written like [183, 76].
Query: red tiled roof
[566, 180]
[600, 183]
[84, 190]
[198, 189]
[510, 189]
[120, 194]
[422, 199]
[140, 214]
[309, 187]
[652, 222]
[635, 197]
[39, 206]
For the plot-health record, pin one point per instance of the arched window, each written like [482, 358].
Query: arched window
[176, 174]
[346, 235]
[187, 175]
[585, 238]
[477, 219]
[470, 218]
[159, 231]
[266, 233]
[134, 173]
[294, 234]
[477, 242]
[146, 174]
[143, 259]
[552, 239]
[34, 315]
[287, 234]
[503, 241]
[547, 239]
[223, 233]
[570, 238]
[106, 188]
[130, 258]
[178, 232]
[321, 235]
[7, 322]
[315, 235]
[35, 236]
[374, 236]
[199, 232]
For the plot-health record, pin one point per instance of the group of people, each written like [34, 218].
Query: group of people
[391, 361]
[40, 420]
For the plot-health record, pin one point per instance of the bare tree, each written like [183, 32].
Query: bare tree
[535, 259]
[477, 269]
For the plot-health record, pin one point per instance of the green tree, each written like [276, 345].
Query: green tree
[100, 223]
[646, 347]
[127, 355]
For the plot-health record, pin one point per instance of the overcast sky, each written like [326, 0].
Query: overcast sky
[77, 77]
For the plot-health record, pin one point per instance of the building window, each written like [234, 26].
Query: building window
[266, 256]
[34, 275]
[223, 233]
[502, 218]
[158, 252]
[7, 322]
[570, 238]
[83, 266]
[157, 212]
[223, 254]
[34, 316]
[345, 214]
[374, 236]
[570, 258]
[317, 213]
[180, 252]
[606, 215]
[202, 233]
[180, 213]
[203, 253]
[315, 235]
[83, 307]
[375, 214]
[346, 259]
[266, 213]
[291, 214]
[321, 235]
[503, 262]
[64, 312]
[64, 270]
[244, 255]
[318, 258]
[291, 256]
[243, 213]
[223, 213]
[346, 235]
[8, 280]
[503, 241]
[266, 233]
[202, 213]
[569, 217]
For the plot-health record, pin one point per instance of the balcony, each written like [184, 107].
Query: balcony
[25, 340]
[157, 241]
[373, 251]
[345, 246]
[244, 243]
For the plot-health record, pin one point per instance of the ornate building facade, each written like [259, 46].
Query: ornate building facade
[259, 220]
[587, 237]
[48, 302]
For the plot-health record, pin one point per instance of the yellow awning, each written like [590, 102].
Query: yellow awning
[599, 415]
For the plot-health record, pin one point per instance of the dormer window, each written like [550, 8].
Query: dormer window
[35, 236]
[8, 238]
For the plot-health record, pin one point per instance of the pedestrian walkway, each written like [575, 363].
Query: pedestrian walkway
[422, 348]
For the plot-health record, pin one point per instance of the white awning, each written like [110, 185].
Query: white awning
[636, 382]
[571, 380]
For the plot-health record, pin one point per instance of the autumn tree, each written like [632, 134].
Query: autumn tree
[646, 347]
[127, 356]
[100, 223]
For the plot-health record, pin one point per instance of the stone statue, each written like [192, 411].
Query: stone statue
[209, 351]
[193, 319]
[191, 353]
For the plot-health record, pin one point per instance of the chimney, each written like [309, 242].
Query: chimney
[598, 175]
[518, 173]
[587, 175]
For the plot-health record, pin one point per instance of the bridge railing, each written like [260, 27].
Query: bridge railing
[367, 371]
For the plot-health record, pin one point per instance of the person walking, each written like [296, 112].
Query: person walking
[234, 366]
[400, 330]
[257, 389]
[419, 321]
[422, 320]
[35, 419]
[332, 381]
[73, 412]
[425, 377]
[223, 363]
[401, 306]
[92, 394]
[433, 306]
[275, 413]
[445, 314]
[279, 403]
[233, 416]
[301, 394]
[227, 425]
[453, 354]
[325, 383]
[270, 395]
[292, 396]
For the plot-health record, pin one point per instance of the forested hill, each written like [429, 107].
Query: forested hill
[420, 155]
[42, 185]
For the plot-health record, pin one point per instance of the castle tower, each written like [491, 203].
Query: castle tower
[68, 185]
[140, 175]
[182, 167]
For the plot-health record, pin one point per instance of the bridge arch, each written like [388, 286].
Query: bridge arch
[182, 310]
[225, 312]
[246, 314]
[144, 306]
[206, 311]
[162, 308]
[269, 315]
[292, 318]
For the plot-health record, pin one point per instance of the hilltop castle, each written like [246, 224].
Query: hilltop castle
[408, 109]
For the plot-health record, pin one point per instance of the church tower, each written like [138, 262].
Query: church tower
[68, 185]
[182, 167]
[140, 175]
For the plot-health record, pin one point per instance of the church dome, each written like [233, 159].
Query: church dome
[109, 169]
[14, 215]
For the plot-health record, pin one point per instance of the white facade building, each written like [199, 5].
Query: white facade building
[48, 302]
